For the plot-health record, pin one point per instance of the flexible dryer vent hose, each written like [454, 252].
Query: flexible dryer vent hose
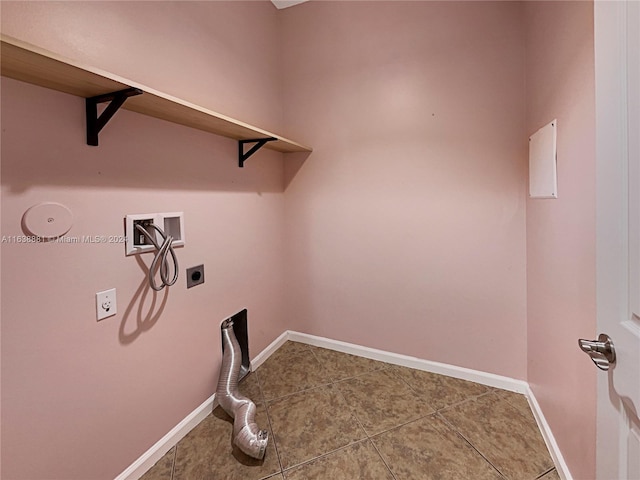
[246, 434]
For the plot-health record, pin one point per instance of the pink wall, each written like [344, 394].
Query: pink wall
[561, 232]
[405, 230]
[82, 399]
[221, 55]
[406, 226]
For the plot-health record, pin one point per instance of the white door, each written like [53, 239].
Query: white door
[617, 49]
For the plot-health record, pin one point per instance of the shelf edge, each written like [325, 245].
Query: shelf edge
[283, 144]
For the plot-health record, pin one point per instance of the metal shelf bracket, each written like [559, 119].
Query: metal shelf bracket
[259, 143]
[96, 123]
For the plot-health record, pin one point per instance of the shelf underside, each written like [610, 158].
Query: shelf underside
[32, 65]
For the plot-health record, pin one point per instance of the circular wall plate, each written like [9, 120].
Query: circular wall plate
[48, 220]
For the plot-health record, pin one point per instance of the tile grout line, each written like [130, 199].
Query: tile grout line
[521, 414]
[401, 424]
[307, 347]
[434, 413]
[173, 463]
[358, 375]
[401, 377]
[314, 355]
[326, 454]
[353, 413]
[266, 407]
[334, 381]
[545, 473]
[445, 407]
[496, 394]
[315, 387]
[371, 435]
[393, 475]
[457, 432]
[336, 388]
[469, 399]
[506, 399]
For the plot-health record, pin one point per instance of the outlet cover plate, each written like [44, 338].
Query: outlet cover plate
[195, 276]
[106, 305]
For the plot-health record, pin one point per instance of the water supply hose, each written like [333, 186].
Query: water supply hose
[160, 261]
[246, 434]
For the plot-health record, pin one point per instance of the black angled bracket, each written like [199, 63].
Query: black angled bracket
[259, 143]
[96, 123]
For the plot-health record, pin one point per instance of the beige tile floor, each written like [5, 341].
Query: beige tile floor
[340, 417]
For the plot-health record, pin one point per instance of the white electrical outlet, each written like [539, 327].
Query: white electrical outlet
[106, 305]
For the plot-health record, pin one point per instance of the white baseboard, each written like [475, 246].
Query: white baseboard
[155, 453]
[149, 458]
[489, 379]
[549, 439]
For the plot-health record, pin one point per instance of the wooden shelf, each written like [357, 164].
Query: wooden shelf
[32, 64]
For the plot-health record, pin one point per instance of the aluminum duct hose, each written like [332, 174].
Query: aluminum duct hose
[246, 434]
